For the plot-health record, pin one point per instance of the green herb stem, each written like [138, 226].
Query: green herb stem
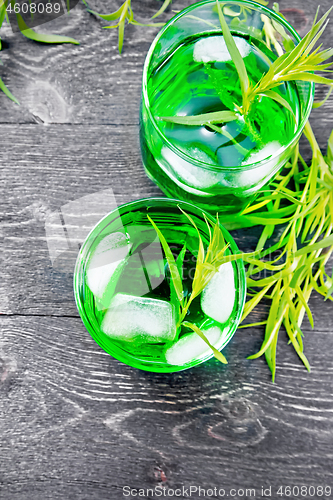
[298, 63]
[303, 269]
[208, 263]
[125, 14]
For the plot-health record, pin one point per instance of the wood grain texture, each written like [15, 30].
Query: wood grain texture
[75, 423]
[86, 425]
[53, 166]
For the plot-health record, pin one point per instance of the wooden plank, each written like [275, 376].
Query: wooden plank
[75, 423]
[47, 168]
[78, 424]
[74, 84]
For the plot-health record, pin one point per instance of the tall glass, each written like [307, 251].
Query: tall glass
[123, 294]
[188, 71]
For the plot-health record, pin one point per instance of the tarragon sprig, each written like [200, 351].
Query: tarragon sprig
[306, 244]
[207, 265]
[306, 210]
[164, 6]
[300, 63]
[125, 14]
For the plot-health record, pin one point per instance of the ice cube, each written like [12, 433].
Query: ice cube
[141, 319]
[192, 175]
[218, 298]
[145, 268]
[214, 49]
[258, 173]
[106, 264]
[191, 346]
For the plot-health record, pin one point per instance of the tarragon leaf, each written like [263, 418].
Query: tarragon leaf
[218, 355]
[296, 345]
[324, 243]
[234, 52]
[301, 47]
[217, 242]
[2, 13]
[330, 290]
[330, 149]
[108, 17]
[287, 42]
[318, 104]
[173, 294]
[42, 37]
[252, 303]
[305, 304]
[180, 260]
[123, 14]
[298, 64]
[153, 25]
[121, 24]
[8, 92]
[307, 77]
[200, 260]
[166, 3]
[197, 120]
[121, 30]
[274, 322]
[229, 12]
[296, 277]
[278, 98]
[322, 25]
[175, 276]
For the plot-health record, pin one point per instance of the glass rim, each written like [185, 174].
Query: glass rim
[179, 152]
[86, 246]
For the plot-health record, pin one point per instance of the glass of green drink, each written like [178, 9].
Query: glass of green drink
[123, 291]
[188, 72]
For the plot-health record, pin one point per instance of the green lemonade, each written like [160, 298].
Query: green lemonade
[199, 77]
[122, 288]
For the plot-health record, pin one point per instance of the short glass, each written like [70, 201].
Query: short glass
[122, 287]
[188, 71]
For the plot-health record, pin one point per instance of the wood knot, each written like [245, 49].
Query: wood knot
[159, 474]
[237, 423]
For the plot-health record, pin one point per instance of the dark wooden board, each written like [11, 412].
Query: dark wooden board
[75, 423]
[78, 424]
[48, 170]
